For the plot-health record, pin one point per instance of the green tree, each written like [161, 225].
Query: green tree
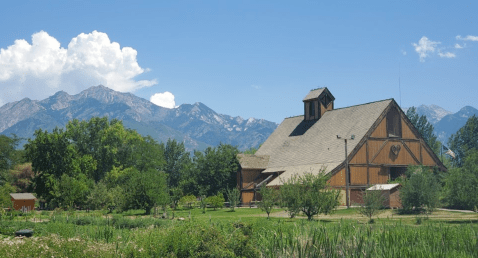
[144, 190]
[233, 197]
[420, 190]
[461, 184]
[188, 201]
[216, 201]
[289, 194]
[216, 168]
[5, 198]
[270, 198]
[176, 161]
[425, 128]
[314, 196]
[465, 140]
[9, 156]
[372, 204]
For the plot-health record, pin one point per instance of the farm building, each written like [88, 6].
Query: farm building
[377, 138]
[390, 193]
[23, 201]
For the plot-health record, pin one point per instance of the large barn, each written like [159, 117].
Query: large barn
[379, 140]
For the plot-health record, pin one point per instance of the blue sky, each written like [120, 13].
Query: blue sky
[244, 58]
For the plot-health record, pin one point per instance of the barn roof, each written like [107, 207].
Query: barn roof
[253, 161]
[298, 146]
[22, 196]
[313, 94]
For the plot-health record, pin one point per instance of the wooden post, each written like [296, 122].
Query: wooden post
[347, 177]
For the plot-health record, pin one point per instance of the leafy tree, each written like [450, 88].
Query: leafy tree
[314, 196]
[177, 161]
[372, 204]
[188, 201]
[216, 201]
[5, 199]
[144, 190]
[425, 128]
[251, 150]
[216, 168]
[175, 196]
[233, 197]
[465, 140]
[22, 177]
[270, 198]
[9, 156]
[420, 191]
[289, 194]
[461, 184]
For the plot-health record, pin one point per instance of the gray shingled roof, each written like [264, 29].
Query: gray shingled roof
[313, 94]
[319, 145]
[253, 161]
[22, 196]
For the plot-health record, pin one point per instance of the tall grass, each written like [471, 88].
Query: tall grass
[119, 236]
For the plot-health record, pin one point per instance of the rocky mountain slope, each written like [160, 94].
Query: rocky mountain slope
[196, 125]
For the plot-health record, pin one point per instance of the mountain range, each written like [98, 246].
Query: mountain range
[196, 125]
[445, 123]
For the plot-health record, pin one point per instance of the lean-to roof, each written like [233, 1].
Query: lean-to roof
[253, 161]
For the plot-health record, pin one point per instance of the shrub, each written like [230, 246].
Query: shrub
[372, 204]
[420, 191]
[216, 201]
[188, 201]
[233, 197]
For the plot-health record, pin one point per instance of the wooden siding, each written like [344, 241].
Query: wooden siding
[18, 204]
[361, 156]
[374, 147]
[247, 197]
[386, 155]
[395, 201]
[407, 133]
[381, 130]
[358, 175]
[356, 196]
[248, 176]
[338, 179]
[414, 148]
[427, 159]
[378, 175]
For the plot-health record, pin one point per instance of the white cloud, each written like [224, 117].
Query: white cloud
[164, 99]
[458, 46]
[469, 37]
[404, 52]
[425, 47]
[257, 87]
[446, 55]
[39, 69]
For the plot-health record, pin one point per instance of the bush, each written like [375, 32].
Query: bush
[188, 201]
[372, 204]
[216, 201]
[310, 194]
[420, 191]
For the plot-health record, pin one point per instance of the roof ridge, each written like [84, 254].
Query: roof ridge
[318, 88]
[363, 104]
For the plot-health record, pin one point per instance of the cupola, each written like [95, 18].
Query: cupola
[317, 102]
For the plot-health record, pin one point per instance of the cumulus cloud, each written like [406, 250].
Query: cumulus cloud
[39, 69]
[425, 47]
[458, 46]
[164, 99]
[468, 38]
[446, 55]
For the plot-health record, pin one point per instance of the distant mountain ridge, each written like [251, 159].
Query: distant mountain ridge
[445, 122]
[196, 125]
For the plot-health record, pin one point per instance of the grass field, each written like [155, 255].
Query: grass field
[244, 233]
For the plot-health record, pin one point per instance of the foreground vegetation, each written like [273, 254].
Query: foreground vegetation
[244, 233]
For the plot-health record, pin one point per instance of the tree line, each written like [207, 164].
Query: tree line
[101, 164]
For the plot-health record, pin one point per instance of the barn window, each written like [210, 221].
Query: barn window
[312, 110]
[394, 125]
[326, 99]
